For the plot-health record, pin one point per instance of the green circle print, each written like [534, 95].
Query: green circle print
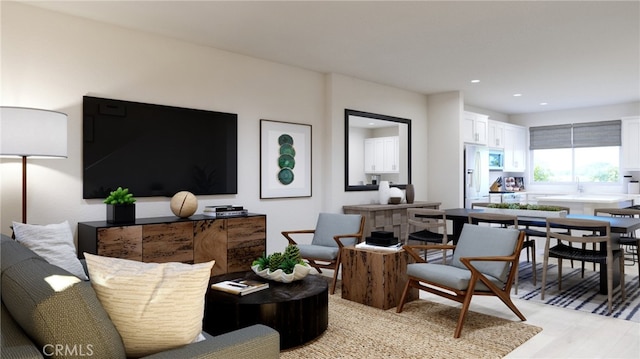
[284, 138]
[285, 176]
[286, 161]
[287, 149]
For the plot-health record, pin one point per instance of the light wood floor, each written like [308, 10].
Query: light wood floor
[565, 333]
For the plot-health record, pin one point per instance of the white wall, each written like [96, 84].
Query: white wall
[345, 92]
[586, 114]
[50, 60]
[445, 149]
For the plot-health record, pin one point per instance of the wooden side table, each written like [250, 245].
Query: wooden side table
[375, 277]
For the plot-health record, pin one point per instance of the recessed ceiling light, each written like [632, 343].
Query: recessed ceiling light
[517, 94]
[371, 123]
[543, 103]
[475, 81]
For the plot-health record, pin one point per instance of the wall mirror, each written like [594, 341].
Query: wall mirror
[377, 148]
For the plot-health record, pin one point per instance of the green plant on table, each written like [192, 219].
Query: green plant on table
[120, 196]
[285, 261]
[531, 207]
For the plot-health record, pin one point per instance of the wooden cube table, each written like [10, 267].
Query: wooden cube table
[375, 277]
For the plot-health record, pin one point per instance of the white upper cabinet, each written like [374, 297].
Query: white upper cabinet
[381, 155]
[631, 143]
[495, 134]
[515, 148]
[474, 128]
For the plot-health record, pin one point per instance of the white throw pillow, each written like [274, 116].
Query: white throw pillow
[154, 306]
[53, 242]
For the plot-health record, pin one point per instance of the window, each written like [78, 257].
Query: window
[589, 152]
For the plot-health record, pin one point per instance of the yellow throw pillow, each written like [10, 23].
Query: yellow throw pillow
[154, 306]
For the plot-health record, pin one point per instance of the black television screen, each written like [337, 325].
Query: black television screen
[157, 150]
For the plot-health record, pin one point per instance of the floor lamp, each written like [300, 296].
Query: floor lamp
[30, 132]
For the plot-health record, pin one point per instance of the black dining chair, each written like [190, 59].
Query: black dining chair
[630, 239]
[605, 255]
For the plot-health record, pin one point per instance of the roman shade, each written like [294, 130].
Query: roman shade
[587, 134]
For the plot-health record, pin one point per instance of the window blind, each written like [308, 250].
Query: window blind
[597, 134]
[588, 134]
[546, 137]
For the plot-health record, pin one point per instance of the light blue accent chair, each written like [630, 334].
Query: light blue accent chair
[333, 232]
[485, 262]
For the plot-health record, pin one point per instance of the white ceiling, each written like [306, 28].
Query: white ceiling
[569, 54]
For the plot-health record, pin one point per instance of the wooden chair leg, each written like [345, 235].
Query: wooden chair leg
[622, 286]
[533, 262]
[638, 258]
[506, 299]
[560, 274]
[516, 279]
[403, 298]
[610, 285]
[463, 313]
[545, 263]
[335, 274]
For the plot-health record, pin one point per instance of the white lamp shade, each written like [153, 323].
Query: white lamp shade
[32, 132]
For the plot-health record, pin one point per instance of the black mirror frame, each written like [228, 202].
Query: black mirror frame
[369, 187]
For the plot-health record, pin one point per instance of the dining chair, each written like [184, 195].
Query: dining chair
[626, 239]
[505, 221]
[428, 226]
[333, 231]
[530, 243]
[604, 255]
[484, 263]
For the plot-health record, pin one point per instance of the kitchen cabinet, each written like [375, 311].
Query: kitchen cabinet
[631, 143]
[381, 155]
[495, 136]
[234, 243]
[515, 148]
[474, 128]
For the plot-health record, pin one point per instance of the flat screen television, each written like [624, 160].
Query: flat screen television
[157, 150]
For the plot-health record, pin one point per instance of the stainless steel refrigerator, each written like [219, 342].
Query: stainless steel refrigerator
[476, 174]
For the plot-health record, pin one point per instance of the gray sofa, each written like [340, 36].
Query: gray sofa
[39, 322]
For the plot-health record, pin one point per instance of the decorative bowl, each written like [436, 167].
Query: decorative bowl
[395, 200]
[299, 271]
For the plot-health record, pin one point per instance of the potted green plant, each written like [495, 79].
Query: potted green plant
[531, 210]
[121, 206]
[283, 267]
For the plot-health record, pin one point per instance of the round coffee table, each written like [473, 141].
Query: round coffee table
[299, 311]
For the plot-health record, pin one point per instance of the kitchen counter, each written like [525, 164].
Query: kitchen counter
[585, 203]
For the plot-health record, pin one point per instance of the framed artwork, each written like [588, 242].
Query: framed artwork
[285, 159]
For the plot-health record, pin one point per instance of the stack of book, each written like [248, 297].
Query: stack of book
[240, 286]
[382, 238]
[225, 211]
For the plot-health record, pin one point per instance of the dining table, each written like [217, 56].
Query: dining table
[460, 216]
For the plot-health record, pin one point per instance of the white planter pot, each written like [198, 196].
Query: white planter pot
[383, 192]
[299, 272]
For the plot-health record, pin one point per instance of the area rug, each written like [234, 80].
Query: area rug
[423, 330]
[580, 293]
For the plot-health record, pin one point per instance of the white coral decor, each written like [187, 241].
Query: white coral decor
[299, 271]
